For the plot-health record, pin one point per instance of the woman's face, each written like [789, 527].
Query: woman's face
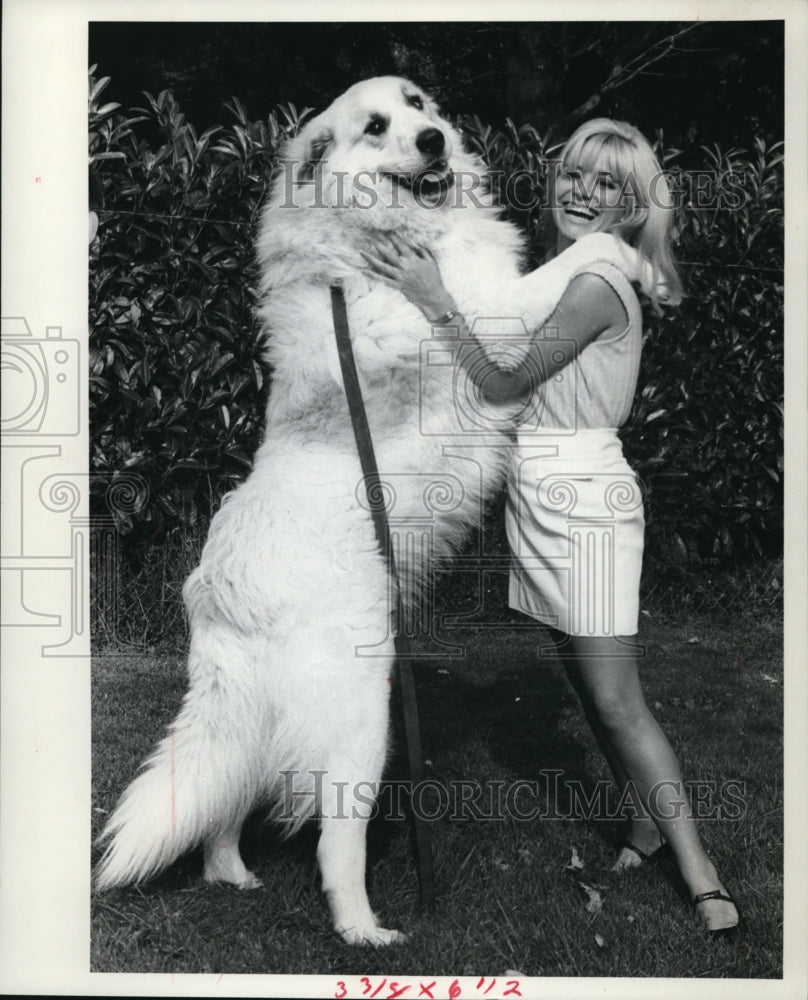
[586, 201]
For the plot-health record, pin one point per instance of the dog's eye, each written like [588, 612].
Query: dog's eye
[415, 101]
[376, 126]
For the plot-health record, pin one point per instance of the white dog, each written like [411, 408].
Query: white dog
[291, 652]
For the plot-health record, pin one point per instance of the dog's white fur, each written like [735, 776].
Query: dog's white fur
[291, 585]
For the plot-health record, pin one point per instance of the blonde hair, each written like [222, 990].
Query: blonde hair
[602, 144]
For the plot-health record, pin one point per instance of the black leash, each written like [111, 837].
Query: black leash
[370, 471]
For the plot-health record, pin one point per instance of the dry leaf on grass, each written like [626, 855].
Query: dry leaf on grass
[595, 899]
[575, 862]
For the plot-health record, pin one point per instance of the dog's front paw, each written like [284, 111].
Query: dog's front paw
[375, 936]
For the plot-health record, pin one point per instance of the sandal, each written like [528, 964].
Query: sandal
[642, 855]
[725, 897]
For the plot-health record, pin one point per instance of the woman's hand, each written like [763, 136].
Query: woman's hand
[412, 270]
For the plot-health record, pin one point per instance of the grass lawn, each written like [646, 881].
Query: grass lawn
[507, 898]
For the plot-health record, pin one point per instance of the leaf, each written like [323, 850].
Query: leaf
[575, 862]
[595, 900]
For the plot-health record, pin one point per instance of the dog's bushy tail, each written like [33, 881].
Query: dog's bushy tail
[199, 781]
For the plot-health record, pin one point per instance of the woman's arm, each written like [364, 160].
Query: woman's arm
[588, 308]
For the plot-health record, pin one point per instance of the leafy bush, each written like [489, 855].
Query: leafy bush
[177, 384]
[707, 425]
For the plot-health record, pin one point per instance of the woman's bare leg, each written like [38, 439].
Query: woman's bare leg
[604, 673]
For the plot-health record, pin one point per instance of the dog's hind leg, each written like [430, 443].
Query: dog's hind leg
[223, 861]
[200, 779]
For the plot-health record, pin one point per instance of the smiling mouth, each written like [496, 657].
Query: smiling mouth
[431, 183]
[579, 213]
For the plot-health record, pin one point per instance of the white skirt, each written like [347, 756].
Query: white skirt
[575, 525]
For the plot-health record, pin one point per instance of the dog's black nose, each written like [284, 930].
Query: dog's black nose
[430, 142]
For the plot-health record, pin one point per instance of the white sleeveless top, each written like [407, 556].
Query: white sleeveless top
[597, 388]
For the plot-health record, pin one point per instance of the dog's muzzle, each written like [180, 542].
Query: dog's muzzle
[433, 182]
[430, 184]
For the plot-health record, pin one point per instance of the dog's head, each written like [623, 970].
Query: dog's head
[381, 144]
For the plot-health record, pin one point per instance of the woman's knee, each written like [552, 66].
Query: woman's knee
[618, 711]
[609, 687]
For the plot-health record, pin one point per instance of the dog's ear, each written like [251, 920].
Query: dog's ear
[314, 152]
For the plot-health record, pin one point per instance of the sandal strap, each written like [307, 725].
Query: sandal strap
[703, 897]
[637, 851]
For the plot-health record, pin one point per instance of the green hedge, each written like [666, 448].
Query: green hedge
[706, 430]
[177, 387]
